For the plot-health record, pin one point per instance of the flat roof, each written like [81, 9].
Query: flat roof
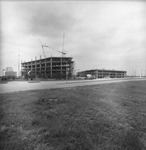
[46, 58]
[102, 70]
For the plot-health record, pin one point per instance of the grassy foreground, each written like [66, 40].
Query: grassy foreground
[101, 117]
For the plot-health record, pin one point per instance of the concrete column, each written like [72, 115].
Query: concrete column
[40, 67]
[51, 66]
[110, 74]
[45, 67]
[35, 66]
[96, 75]
[27, 66]
[31, 64]
[116, 74]
[61, 67]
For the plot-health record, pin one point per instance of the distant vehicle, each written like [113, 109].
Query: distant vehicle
[18, 77]
[89, 76]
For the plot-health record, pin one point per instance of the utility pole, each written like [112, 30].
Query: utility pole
[63, 40]
[145, 67]
[62, 53]
[145, 64]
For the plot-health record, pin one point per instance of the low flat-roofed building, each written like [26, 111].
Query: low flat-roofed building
[51, 67]
[10, 74]
[103, 73]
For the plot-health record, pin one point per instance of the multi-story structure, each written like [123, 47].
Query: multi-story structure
[8, 69]
[51, 67]
[102, 73]
[10, 73]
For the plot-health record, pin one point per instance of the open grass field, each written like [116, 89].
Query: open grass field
[99, 117]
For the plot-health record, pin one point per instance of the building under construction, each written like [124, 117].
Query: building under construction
[51, 67]
[102, 73]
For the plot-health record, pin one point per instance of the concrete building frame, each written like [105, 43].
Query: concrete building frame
[51, 67]
[103, 73]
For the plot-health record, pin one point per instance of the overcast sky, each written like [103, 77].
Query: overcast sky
[108, 34]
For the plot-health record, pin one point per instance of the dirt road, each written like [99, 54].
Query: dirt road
[15, 86]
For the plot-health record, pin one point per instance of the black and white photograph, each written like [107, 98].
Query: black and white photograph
[73, 75]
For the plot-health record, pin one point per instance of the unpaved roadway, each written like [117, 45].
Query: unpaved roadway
[15, 86]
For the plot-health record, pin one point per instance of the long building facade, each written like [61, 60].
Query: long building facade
[51, 67]
[102, 73]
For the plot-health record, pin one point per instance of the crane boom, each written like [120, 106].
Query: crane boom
[63, 52]
[42, 48]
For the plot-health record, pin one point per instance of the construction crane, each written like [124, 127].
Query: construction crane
[63, 52]
[46, 46]
[42, 45]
